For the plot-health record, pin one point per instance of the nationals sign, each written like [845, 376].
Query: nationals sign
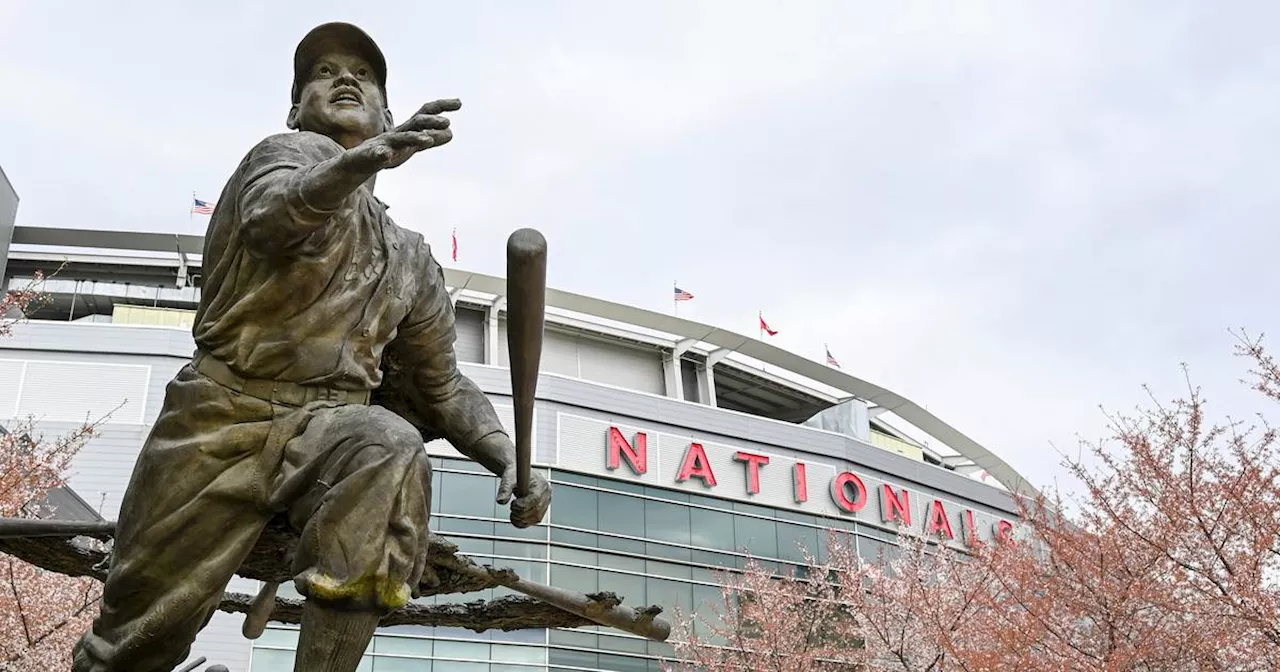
[684, 462]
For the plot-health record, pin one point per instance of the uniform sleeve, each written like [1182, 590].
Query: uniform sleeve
[423, 348]
[274, 216]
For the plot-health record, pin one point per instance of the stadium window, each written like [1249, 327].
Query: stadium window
[622, 545]
[624, 644]
[519, 654]
[629, 586]
[670, 595]
[666, 522]
[463, 650]
[755, 536]
[668, 552]
[668, 569]
[795, 540]
[402, 645]
[381, 664]
[272, 660]
[616, 663]
[571, 658]
[712, 529]
[575, 538]
[467, 495]
[576, 579]
[570, 477]
[621, 514]
[465, 526]
[574, 507]
[585, 640]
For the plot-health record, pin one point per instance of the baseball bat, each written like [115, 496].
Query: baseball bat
[526, 317]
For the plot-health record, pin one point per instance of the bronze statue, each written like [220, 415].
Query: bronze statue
[310, 288]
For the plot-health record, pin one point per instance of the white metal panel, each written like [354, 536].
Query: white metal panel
[84, 391]
[620, 365]
[100, 471]
[469, 326]
[11, 374]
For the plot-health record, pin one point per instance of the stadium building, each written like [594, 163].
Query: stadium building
[674, 448]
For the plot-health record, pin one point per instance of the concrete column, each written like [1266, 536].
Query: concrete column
[491, 342]
[671, 368]
[707, 376]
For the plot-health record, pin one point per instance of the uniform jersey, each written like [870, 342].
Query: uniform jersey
[313, 297]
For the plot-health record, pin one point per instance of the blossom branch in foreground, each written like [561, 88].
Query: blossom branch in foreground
[42, 613]
[1168, 560]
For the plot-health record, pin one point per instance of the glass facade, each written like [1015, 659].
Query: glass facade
[649, 545]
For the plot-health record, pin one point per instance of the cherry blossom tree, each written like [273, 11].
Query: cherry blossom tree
[1168, 558]
[42, 613]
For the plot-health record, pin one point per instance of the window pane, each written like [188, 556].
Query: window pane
[468, 495]
[623, 663]
[575, 556]
[404, 645]
[465, 526]
[623, 545]
[576, 538]
[794, 541]
[627, 586]
[586, 640]
[270, 660]
[278, 637]
[666, 522]
[577, 579]
[630, 644]
[717, 559]
[464, 650]
[669, 552]
[472, 546]
[621, 514]
[657, 568]
[610, 561]
[670, 595]
[519, 549]
[520, 654]
[574, 658]
[570, 477]
[662, 493]
[755, 536]
[712, 529]
[575, 507]
[381, 664]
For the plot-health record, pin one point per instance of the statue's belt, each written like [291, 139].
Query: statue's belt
[275, 391]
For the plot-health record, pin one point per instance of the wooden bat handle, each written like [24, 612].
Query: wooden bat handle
[526, 317]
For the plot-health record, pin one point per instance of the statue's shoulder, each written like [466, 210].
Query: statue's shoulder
[299, 144]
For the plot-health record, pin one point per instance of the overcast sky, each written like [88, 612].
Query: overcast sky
[1008, 212]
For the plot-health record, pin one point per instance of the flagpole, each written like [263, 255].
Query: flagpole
[675, 305]
[191, 212]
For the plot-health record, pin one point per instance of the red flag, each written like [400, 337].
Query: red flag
[764, 326]
[455, 244]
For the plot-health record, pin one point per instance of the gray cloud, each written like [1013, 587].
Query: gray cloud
[1009, 213]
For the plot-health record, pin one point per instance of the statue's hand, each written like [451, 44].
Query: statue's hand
[424, 130]
[529, 510]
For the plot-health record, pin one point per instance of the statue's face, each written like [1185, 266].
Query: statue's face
[341, 100]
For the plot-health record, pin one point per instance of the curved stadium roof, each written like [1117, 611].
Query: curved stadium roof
[681, 331]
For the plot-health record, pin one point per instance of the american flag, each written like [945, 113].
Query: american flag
[682, 295]
[831, 360]
[200, 207]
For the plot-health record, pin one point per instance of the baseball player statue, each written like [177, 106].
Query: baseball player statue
[308, 286]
